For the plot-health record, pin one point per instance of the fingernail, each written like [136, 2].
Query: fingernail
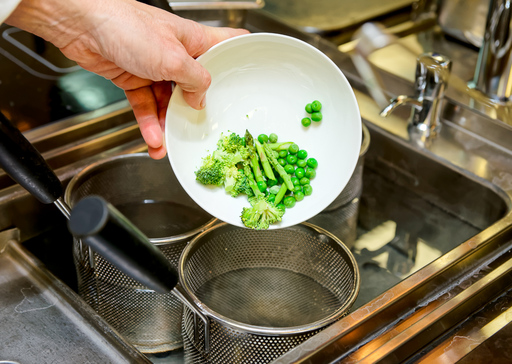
[203, 103]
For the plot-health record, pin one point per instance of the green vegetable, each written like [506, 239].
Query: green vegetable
[299, 196]
[304, 181]
[301, 163]
[263, 138]
[280, 146]
[243, 184]
[316, 106]
[309, 108]
[291, 159]
[265, 172]
[316, 116]
[312, 162]
[279, 168]
[264, 161]
[272, 138]
[261, 214]
[288, 168]
[220, 167]
[293, 148]
[302, 154]
[280, 194]
[289, 201]
[310, 172]
[299, 173]
[306, 122]
[262, 186]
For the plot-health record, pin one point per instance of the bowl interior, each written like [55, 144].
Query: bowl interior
[262, 82]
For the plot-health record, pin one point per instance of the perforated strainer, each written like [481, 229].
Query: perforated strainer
[147, 192]
[249, 296]
[263, 291]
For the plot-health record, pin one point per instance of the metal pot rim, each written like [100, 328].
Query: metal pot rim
[80, 176]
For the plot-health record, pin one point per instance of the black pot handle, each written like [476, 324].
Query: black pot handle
[101, 226]
[25, 165]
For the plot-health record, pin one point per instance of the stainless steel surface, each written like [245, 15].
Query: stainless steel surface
[328, 15]
[263, 291]
[432, 74]
[464, 19]
[148, 194]
[340, 217]
[432, 218]
[43, 321]
[494, 68]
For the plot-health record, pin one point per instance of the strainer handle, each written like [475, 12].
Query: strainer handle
[101, 226]
[24, 164]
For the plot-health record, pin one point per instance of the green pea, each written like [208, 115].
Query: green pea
[307, 189]
[316, 106]
[289, 169]
[309, 108]
[283, 153]
[304, 181]
[310, 172]
[263, 138]
[302, 163]
[299, 173]
[281, 206]
[271, 198]
[291, 158]
[289, 201]
[296, 189]
[316, 116]
[295, 181]
[312, 162]
[302, 154]
[262, 186]
[271, 182]
[306, 122]
[272, 138]
[293, 149]
[299, 196]
[282, 161]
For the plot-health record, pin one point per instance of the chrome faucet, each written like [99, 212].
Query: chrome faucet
[432, 73]
[493, 74]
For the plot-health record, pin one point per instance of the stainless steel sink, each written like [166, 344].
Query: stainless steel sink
[434, 220]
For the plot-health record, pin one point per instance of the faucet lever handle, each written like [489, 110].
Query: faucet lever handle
[432, 74]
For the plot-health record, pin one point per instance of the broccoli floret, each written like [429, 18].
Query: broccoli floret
[242, 185]
[231, 143]
[261, 214]
[220, 167]
[211, 171]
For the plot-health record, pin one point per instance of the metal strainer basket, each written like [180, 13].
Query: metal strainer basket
[148, 193]
[262, 292]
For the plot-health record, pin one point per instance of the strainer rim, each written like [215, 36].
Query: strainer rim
[264, 330]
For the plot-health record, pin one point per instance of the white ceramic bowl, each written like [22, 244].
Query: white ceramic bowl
[262, 82]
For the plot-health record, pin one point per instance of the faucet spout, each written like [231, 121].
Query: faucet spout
[432, 74]
[399, 101]
[493, 73]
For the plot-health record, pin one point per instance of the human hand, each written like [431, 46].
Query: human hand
[141, 48]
